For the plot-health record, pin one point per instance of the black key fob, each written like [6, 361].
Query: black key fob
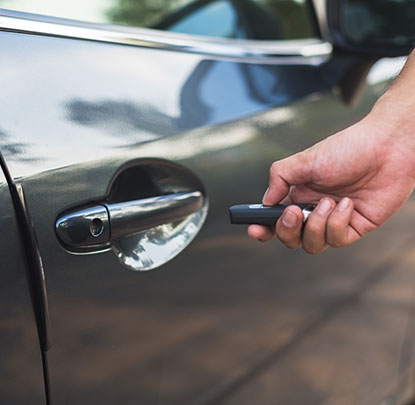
[262, 214]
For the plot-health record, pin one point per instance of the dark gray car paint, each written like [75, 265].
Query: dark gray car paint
[21, 377]
[229, 320]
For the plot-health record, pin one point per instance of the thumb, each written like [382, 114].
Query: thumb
[283, 174]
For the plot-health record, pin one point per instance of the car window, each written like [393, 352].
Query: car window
[244, 19]
[200, 21]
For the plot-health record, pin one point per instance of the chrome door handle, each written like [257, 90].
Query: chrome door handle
[100, 224]
[130, 217]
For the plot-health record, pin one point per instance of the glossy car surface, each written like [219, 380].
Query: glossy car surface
[229, 320]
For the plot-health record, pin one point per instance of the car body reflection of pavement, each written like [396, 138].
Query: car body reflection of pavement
[255, 342]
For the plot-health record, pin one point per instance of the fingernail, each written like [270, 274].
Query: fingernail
[266, 194]
[343, 204]
[324, 206]
[289, 219]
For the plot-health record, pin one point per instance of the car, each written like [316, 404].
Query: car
[127, 129]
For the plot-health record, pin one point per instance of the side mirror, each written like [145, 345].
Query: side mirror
[374, 28]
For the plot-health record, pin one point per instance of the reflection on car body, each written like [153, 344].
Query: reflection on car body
[100, 114]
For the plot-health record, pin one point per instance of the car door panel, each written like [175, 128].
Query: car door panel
[21, 374]
[228, 316]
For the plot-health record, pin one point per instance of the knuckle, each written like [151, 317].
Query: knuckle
[336, 234]
[280, 235]
[365, 229]
[288, 241]
[335, 223]
[315, 249]
[313, 227]
[274, 168]
[335, 242]
[295, 193]
[291, 241]
[310, 250]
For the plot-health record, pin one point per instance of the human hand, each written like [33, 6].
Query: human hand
[360, 177]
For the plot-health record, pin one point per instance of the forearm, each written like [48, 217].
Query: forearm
[394, 112]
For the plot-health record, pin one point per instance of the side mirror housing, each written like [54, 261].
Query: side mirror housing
[374, 28]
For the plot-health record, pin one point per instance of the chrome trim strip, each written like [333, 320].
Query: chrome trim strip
[314, 51]
[130, 217]
[320, 7]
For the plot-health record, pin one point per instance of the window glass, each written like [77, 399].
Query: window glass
[247, 19]
[200, 21]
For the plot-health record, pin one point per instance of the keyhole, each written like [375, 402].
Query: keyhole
[96, 227]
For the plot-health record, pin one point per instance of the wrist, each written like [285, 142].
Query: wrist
[394, 116]
[395, 110]
[392, 123]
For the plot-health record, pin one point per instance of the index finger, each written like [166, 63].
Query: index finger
[284, 173]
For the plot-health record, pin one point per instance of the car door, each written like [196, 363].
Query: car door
[108, 115]
[21, 373]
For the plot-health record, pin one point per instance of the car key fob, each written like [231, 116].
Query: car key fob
[260, 214]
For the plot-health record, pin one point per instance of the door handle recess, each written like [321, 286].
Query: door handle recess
[96, 226]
